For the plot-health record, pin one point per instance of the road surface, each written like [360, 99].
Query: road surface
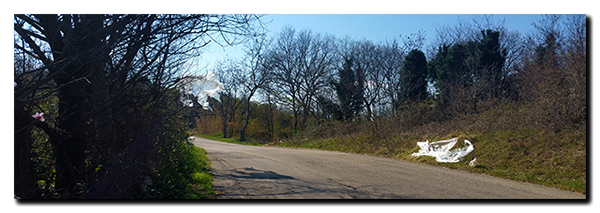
[252, 172]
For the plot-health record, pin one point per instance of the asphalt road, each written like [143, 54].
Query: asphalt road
[252, 172]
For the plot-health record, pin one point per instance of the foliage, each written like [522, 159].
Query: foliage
[107, 86]
[186, 176]
[349, 90]
[266, 123]
[413, 77]
[180, 170]
[219, 137]
[330, 110]
[469, 72]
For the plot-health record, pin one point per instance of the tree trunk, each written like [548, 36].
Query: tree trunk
[369, 112]
[224, 119]
[70, 154]
[83, 87]
[270, 120]
[103, 130]
[295, 117]
[224, 113]
[25, 179]
[243, 130]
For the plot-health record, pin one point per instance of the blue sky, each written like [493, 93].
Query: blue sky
[374, 27]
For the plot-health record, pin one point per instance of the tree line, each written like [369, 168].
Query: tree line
[301, 78]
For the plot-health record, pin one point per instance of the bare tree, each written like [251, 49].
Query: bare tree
[93, 62]
[286, 72]
[390, 62]
[255, 75]
[230, 75]
[302, 64]
[553, 71]
[413, 41]
[318, 61]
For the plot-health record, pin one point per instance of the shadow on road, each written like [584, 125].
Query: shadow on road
[251, 183]
[251, 173]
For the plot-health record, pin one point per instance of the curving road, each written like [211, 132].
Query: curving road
[251, 172]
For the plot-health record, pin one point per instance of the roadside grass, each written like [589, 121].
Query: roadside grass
[520, 142]
[200, 181]
[530, 155]
[533, 156]
[186, 177]
[219, 137]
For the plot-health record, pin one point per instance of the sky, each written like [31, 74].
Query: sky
[374, 27]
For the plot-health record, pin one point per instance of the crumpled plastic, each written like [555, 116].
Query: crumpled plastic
[441, 150]
[190, 141]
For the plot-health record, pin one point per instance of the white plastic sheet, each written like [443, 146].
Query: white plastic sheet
[201, 86]
[441, 150]
[190, 141]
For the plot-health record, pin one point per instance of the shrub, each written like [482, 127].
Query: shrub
[186, 176]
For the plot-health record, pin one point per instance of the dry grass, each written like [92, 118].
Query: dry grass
[508, 142]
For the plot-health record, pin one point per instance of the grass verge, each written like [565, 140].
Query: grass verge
[219, 137]
[536, 156]
[186, 177]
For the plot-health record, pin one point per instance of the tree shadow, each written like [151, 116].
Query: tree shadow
[248, 184]
[251, 173]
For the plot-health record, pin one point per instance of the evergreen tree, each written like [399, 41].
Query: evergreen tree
[414, 77]
[349, 89]
[491, 59]
[434, 69]
[475, 65]
[329, 109]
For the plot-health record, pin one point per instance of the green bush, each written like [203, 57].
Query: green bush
[186, 176]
